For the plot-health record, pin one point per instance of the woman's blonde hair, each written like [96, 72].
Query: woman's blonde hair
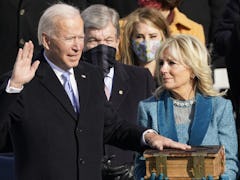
[150, 16]
[192, 53]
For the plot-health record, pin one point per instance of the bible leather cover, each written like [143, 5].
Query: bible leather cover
[196, 163]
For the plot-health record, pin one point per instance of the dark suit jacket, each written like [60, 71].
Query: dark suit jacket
[207, 13]
[130, 85]
[227, 42]
[50, 142]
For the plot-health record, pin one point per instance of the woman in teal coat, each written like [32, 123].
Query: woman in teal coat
[186, 108]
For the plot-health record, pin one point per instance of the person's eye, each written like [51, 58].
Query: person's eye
[172, 62]
[161, 62]
[92, 40]
[81, 38]
[139, 37]
[69, 38]
[109, 41]
[153, 37]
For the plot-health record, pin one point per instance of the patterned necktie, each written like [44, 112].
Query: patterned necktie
[69, 90]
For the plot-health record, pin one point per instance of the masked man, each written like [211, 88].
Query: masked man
[125, 85]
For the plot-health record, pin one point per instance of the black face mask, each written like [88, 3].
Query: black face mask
[102, 56]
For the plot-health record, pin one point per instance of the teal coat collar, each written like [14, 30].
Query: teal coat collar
[199, 126]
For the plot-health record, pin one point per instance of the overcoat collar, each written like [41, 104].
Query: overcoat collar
[199, 125]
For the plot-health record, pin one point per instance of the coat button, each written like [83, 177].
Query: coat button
[81, 161]
[78, 130]
[22, 12]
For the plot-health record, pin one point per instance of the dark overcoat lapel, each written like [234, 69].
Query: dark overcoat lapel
[49, 79]
[120, 86]
[83, 85]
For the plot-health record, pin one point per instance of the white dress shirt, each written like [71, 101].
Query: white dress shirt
[108, 79]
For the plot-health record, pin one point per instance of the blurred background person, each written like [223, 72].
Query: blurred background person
[186, 108]
[125, 85]
[213, 10]
[143, 33]
[179, 23]
[227, 43]
[209, 19]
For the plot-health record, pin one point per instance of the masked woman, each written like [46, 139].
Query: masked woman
[143, 33]
[185, 107]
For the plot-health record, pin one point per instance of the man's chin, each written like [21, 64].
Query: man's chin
[75, 64]
[72, 64]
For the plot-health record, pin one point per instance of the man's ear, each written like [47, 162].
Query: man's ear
[46, 41]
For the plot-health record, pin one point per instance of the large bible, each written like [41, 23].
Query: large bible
[196, 163]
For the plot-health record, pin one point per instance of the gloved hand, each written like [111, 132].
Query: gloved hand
[121, 172]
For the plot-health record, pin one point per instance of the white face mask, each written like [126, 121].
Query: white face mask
[146, 50]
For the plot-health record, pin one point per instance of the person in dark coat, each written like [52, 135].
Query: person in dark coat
[127, 85]
[227, 43]
[213, 10]
[54, 137]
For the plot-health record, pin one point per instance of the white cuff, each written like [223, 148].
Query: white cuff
[145, 132]
[13, 89]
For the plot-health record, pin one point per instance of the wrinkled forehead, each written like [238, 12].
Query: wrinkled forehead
[106, 31]
[68, 24]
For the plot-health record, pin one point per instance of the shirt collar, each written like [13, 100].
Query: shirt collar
[111, 73]
[58, 71]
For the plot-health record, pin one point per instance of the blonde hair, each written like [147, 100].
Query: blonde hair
[193, 54]
[149, 16]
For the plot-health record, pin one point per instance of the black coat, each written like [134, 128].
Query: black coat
[227, 42]
[207, 13]
[130, 85]
[19, 21]
[50, 142]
